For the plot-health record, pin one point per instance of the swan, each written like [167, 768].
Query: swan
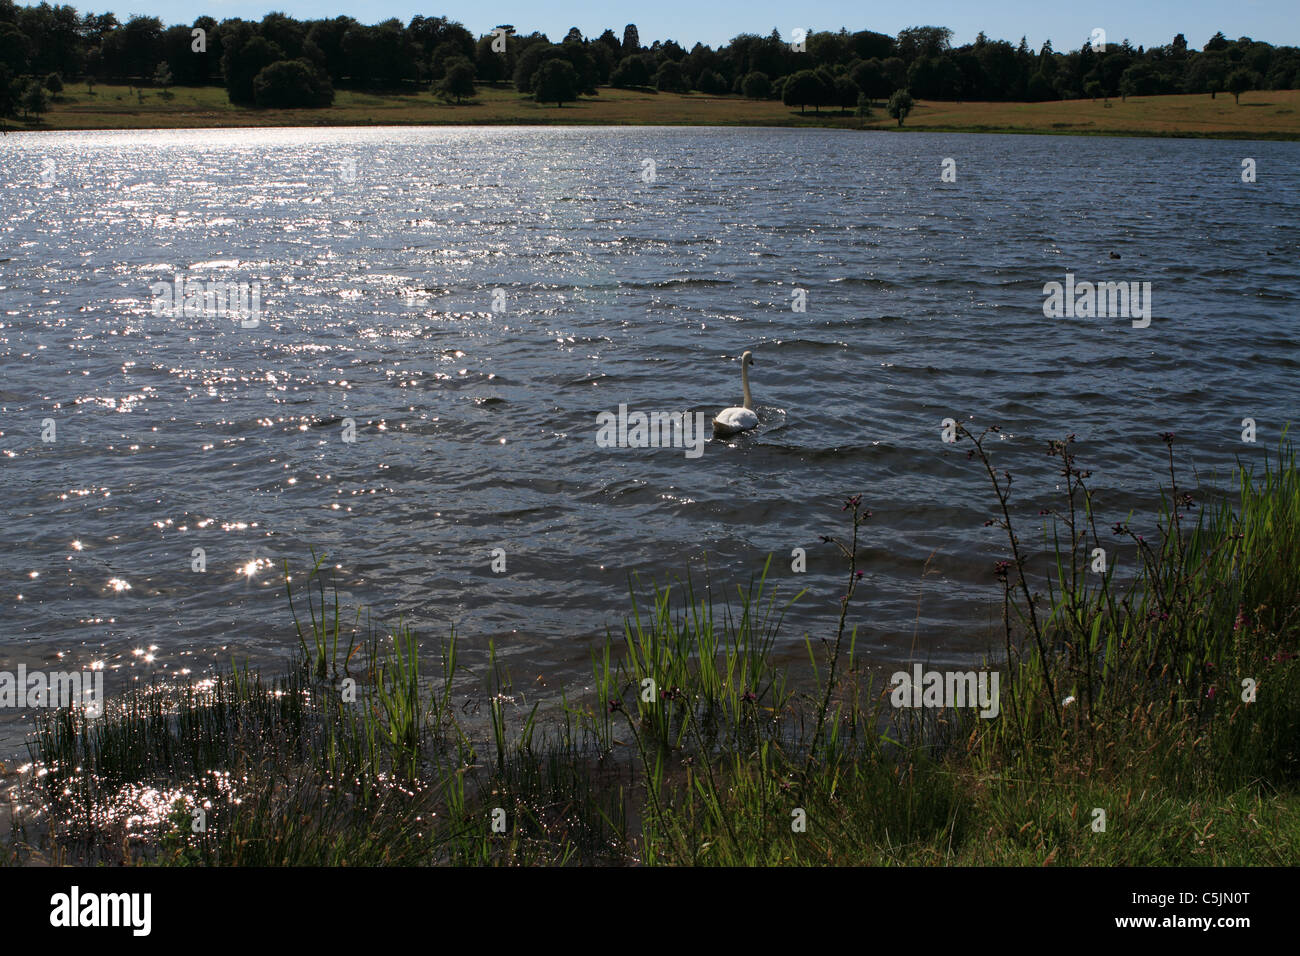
[731, 421]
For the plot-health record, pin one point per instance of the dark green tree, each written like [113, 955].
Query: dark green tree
[15, 48]
[162, 77]
[1217, 42]
[1040, 87]
[844, 93]
[900, 105]
[1239, 81]
[8, 93]
[803, 89]
[757, 85]
[870, 79]
[632, 71]
[443, 54]
[490, 66]
[457, 82]
[134, 49]
[35, 100]
[529, 60]
[669, 78]
[556, 82]
[610, 42]
[631, 40]
[242, 61]
[292, 84]
[711, 82]
[93, 66]
[917, 42]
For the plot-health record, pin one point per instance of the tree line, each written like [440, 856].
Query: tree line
[281, 61]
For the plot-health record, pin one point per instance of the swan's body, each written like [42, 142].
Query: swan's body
[731, 421]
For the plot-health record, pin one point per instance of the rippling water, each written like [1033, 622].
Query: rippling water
[378, 252]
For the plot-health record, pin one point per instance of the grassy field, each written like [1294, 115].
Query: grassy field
[1260, 115]
[1144, 720]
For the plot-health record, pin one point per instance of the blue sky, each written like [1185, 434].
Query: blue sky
[1066, 24]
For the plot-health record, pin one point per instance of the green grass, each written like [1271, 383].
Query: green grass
[694, 748]
[1260, 115]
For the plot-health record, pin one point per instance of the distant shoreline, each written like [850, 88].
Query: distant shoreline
[1262, 115]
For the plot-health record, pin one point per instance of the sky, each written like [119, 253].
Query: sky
[1067, 24]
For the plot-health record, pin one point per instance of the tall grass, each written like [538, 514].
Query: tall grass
[1160, 688]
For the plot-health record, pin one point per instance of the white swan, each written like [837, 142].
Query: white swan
[732, 420]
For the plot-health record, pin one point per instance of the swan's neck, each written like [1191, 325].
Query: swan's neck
[744, 380]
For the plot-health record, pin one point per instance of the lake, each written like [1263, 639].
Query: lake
[444, 312]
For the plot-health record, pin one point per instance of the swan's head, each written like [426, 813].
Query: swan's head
[747, 358]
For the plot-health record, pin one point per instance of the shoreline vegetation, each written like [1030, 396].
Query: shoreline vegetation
[1149, 714]
[1262, 115]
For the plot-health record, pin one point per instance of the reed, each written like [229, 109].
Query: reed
[1162, 690]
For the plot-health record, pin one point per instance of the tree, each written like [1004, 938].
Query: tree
[803, 89]
[35, 100]
[900, 104]
[631, 40]
[916, 42]
[163, 77]
[868, 45]
[870, 79]
[610, 42]
[443, 54]
[458, 81]
[1140, 79]
[54, 83]
[15, 48]
[669, 79]
[1040, 87]
[1239, 82]
[864, 105]
[529, 61]
[710, 81]
[134, 49]
[934, 77]
[584, 65]
[556, 82]
[632, 71]
[326, 44]
[292, 84]
[895, 73]
[8, 95]
[756, 86]
[1092, 89]
[94, 62]
[243, 60]
[285, 32]
[490, 66]
[844, 93]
